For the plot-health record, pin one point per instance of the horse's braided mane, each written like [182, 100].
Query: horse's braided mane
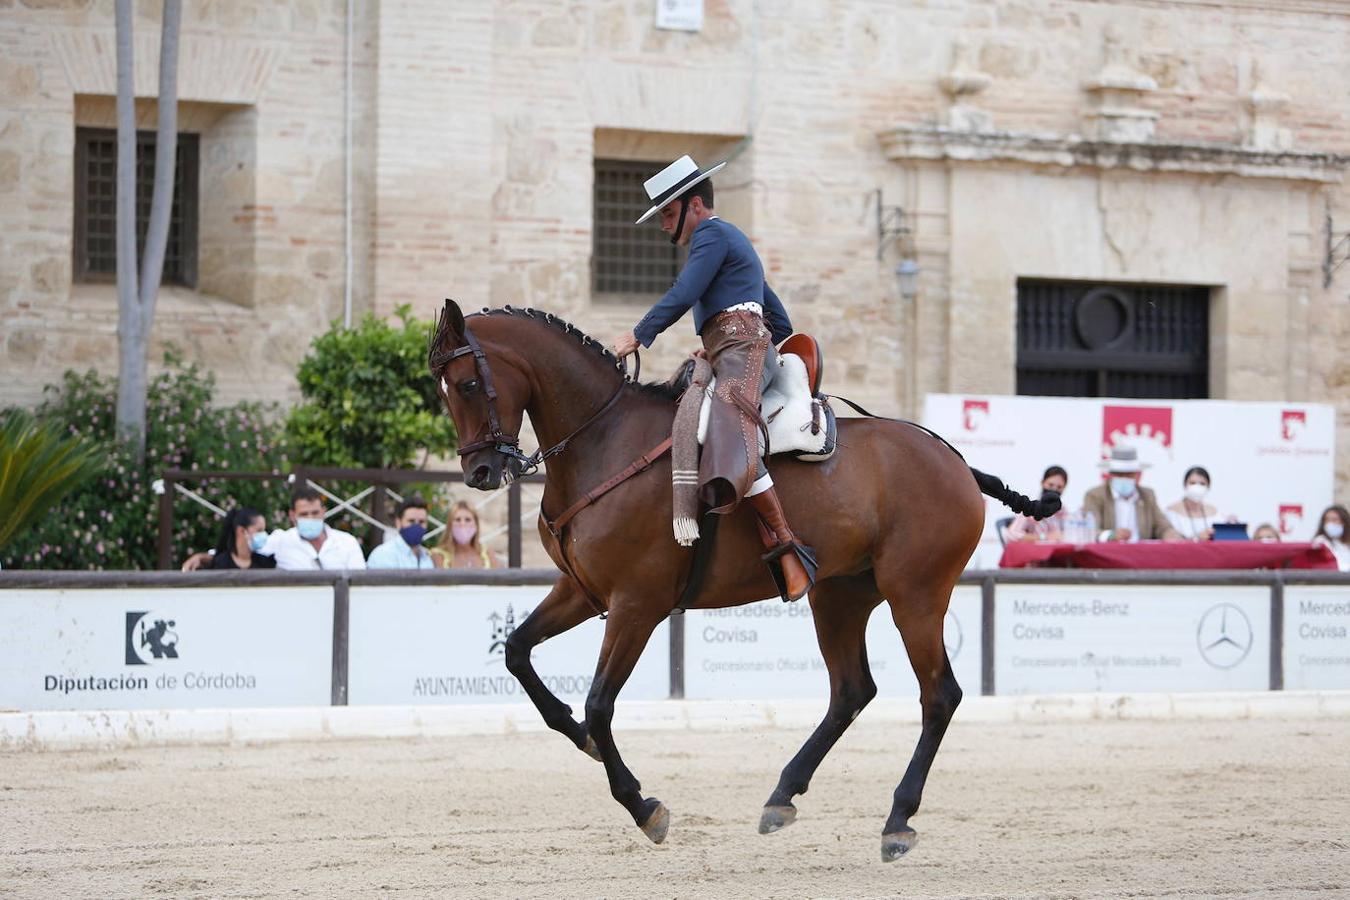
[438, 359]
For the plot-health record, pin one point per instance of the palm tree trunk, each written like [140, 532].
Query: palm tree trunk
[136, 308]
[130, 329]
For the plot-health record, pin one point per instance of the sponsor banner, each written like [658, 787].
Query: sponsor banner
[768, 651]
[1053, 639]
[1316, 637]
[166, 648]
[417, 645]
[1269, 462]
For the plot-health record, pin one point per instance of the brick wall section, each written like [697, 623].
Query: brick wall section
[476, 128]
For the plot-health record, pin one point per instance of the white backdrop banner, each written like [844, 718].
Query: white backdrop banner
[419, 645]
[768, 650]
[1269, 462]
[1053, 639]
[166, 648]
[1316, 637]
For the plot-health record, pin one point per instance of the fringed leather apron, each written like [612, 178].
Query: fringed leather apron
[738, 343]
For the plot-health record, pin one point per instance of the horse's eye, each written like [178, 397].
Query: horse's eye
[468, 387]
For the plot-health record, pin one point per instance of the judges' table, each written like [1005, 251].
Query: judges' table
[1165, 555]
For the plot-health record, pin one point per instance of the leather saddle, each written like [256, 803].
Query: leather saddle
[799, 418]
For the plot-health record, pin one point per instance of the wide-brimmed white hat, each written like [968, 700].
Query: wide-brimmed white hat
[1123, 461]
[674, 181]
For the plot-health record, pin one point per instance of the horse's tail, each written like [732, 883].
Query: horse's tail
[1048, 505]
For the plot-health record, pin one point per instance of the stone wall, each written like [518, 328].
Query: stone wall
[476, 124]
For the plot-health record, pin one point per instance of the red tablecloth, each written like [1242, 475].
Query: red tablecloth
[1163, 555]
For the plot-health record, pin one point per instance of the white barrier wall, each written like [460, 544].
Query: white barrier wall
[166, 648]
[438, 645]
[768, 650]
[1316, 637]
[1070, 638]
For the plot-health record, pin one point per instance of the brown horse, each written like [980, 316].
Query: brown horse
[893, 517]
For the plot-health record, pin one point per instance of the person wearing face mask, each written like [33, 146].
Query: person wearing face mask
[403, 549]
[1331, 533]
[1051, 528]
[1191, 516]
[1265, 533]
[465, 550]
[242, 535]
[310, 544]
[1125, 510]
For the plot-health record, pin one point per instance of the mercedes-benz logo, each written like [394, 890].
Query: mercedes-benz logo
[1224, 636]
[952, 636]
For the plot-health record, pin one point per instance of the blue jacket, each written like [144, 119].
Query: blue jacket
[722, 270]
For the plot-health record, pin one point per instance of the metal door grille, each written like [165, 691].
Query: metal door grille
[96, 205]
[1078, 339]
[628, 261]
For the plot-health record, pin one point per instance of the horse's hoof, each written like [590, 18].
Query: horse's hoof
[591, 750]
[657, 824]
[776, 818]
[894, 846]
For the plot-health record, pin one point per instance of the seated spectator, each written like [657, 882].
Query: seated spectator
[1331, 534]
[1191, 516]
[241, 537]
[403, 548]
[1051, 528]
[465, 550]
[1266, 533]
[1124, 509]
[309, 544]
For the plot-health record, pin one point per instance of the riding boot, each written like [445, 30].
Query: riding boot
[782, 546]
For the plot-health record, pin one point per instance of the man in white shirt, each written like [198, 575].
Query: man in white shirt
[310, 544]
[403, 549]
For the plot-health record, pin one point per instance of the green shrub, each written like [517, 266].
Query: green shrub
[369, 401]
[112, 522]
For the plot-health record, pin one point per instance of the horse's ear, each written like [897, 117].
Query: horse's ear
[454, 318]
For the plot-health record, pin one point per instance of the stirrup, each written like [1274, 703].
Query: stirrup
[773, 559]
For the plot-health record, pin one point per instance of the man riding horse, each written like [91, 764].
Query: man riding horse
[740, 319]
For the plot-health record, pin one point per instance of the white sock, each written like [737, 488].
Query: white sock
[761, 484]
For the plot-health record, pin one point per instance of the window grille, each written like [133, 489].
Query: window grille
[1076, 339]
[628, 261]
[96, 205]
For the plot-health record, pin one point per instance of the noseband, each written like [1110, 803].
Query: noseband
[509, 444]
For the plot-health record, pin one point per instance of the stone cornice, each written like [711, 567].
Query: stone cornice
[919, 142]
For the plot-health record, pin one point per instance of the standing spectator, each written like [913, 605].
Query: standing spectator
[1124, 509]
[403, 549]
[1192, 516]
[241, 537]
[1331, 533]
[1266, 533]
[465, 550]
[1051, 528]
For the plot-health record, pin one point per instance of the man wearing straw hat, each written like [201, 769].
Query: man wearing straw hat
[739, 319]
[1124, 509]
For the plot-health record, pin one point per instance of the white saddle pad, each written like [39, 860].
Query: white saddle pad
[787, 407]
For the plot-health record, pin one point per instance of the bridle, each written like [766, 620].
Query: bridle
[508, 445]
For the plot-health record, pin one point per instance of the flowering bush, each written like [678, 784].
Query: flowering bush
[112, 521]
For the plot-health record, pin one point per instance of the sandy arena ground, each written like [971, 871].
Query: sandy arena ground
[1257, 808]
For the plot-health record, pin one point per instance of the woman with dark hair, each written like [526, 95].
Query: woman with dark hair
[242, 535]
[1050, 529]
[1191, 516]
[1331, 533]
